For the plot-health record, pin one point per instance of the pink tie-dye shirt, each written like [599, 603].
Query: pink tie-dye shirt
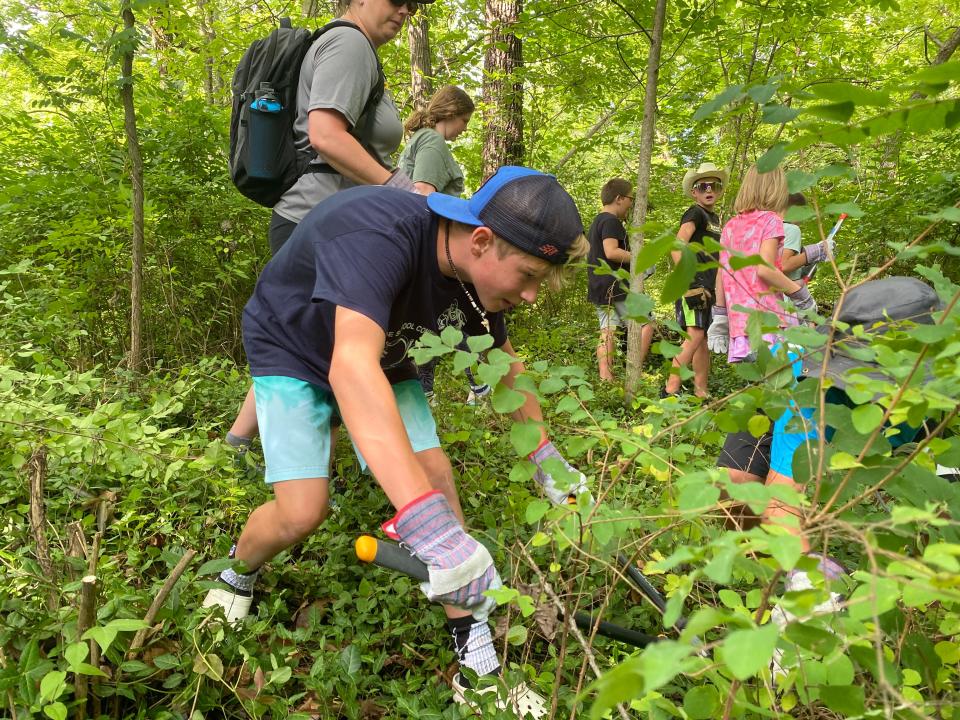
[742, 236]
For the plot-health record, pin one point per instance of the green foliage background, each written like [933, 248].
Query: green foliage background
[826, 87]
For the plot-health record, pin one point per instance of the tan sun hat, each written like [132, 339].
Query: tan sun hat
[706, 170]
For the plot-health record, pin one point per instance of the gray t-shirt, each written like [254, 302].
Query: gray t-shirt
[338, 73]
[791, 241]
[427, 158]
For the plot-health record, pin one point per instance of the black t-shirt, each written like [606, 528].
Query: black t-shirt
[707, 223]
[605, 289]
[371, 249]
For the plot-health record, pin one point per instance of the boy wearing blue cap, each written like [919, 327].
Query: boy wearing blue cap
[327, 331]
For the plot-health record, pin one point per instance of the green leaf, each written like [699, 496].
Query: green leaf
[350, 659]
[678, 281]
[758, 425]
[730, 598]
[283, 673]
[772, 158]
[798, 181]
[52, 685]
[215, 567]
[746, 652]
[451, 336]
[835, 112]
[866, 418]
[507, 400]
[103, 636]
[639, 306]
[786, 549]
[844, 461]
[76, 653]
[525, 437]
[732, 93]
[462, 360]
[820, 642]
[761, 94]
[845, 699]
[479, 343]
[876, 596]
[702, 702]
[777, 114]
[536, 509]
[948, 214]
[842, 92]
[695, 497]
[57, 711]
[129, 624]
[654, 250]
[944, 72]
[839, 670]
[210, 665]
[517, 635]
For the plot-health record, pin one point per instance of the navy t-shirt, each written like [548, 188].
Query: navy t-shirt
[706, 224]
[371, 249]
[605, 289]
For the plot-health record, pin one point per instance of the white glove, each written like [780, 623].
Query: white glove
[803, 299]
[460, 568]
[718, 334]
[820, 251]
[401, 181]
[563, 491]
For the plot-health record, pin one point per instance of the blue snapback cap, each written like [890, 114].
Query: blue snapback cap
[527, 208]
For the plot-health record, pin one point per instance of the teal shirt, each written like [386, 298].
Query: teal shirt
[428, 159]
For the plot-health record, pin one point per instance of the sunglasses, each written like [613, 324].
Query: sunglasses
[412, 7]
[705, 186]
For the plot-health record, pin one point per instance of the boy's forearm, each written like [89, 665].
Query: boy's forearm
[369, 411]
[369, 408]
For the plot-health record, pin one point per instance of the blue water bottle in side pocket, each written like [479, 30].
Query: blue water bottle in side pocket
[266, 135]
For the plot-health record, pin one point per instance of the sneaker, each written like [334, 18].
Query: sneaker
[477, 393]
[796, 581]
[521, 699]
[235, 606]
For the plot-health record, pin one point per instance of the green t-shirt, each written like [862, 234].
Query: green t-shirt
[791, 241]
[426, 158]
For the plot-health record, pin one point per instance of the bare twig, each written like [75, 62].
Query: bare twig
[158, 601]
[558, 603]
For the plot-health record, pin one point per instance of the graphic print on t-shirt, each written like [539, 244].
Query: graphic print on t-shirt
[396, 350]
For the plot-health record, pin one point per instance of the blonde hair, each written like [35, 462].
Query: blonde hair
[762, 191]
[557, 275]
[448, 102]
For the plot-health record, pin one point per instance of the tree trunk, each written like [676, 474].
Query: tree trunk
[135, 360]
[502, 88]
[211, 79]
[643, 188]
[421, 65]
